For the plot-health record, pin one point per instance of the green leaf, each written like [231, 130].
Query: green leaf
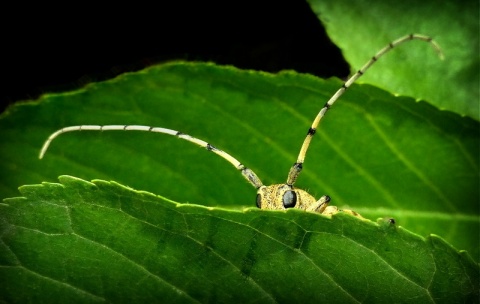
[360, 28]
[380, 155]
[100, 241]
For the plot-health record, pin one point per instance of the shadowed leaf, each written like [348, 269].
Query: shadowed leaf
[359, 28]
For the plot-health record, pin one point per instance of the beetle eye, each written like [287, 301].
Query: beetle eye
[289, 199]
[259, 201]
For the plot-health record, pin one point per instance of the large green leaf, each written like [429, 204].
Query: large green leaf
[361, 27]
[103, 242]
[377, 154]
[381, 155]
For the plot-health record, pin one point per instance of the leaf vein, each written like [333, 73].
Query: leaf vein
[139, 266]
[409, 164]
[327, 275]
[95, 297]
[400, 273]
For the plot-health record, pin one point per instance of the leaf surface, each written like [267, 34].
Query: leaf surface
[100, 241]
[380, 155]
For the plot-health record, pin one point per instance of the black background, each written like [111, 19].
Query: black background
[65, 46]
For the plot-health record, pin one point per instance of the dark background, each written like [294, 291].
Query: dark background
[63, 47]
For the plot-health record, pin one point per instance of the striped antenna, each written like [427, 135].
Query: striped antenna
[297, 166]
[246, 172]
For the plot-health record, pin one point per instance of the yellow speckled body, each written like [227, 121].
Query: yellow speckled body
[271, 198]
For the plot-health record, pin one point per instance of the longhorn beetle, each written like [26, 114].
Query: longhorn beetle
[278, 196]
